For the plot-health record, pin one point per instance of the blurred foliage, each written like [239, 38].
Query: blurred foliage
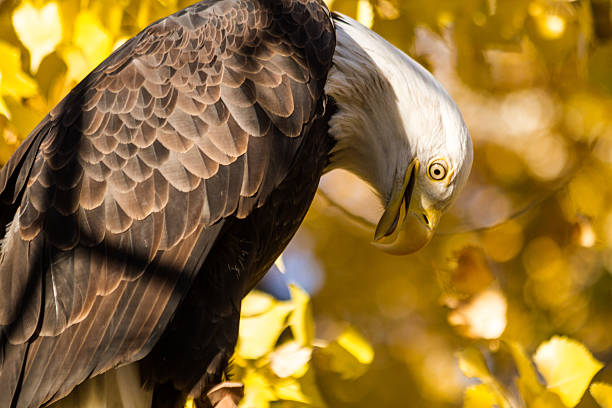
[277, 354]
[566, 365]
[523, 256]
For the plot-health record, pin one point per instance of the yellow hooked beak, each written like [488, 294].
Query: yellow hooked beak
[405, 228]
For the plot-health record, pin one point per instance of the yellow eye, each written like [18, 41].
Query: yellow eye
[437, 170]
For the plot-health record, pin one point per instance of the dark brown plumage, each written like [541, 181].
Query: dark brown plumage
[143, 208]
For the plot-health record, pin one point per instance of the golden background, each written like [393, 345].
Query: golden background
[525, 253]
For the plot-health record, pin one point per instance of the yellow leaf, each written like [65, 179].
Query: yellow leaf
[365, 13]
[39, 29]
[602, 393]
[169, 4]
[256, 303]
[120, 42]
[567, 367]
[355, 344]
[3, 109]
[257, 391]
[478, 396]
[144, 9]
[349, 355]
[113, 19]
[528, 376]
[290, 359]
[546, 399]
[280, 264]
[310, 388]
[24, 117]
[483, 316]
[534, 394]
[301, 320]
[15, 82]
[290, 389]
[472, 364]
[258, 333]
[91, 37]
[336, 358]
[6, 148]
[78, 66]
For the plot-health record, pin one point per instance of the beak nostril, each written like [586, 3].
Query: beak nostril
[426, 219]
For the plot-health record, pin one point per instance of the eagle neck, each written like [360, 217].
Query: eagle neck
[368, 128]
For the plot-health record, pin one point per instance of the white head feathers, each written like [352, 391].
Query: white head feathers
[391, 111]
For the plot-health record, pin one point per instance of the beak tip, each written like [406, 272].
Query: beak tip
[413, 234]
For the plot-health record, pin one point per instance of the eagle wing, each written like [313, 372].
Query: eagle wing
[112, 203]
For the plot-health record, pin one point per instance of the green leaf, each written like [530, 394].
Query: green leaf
[602, 393]
[301, 320]
[567, 367]
[478, 396]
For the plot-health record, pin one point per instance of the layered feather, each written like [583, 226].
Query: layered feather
[131, 176]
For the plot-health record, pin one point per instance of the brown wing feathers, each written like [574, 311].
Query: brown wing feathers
[195, 119]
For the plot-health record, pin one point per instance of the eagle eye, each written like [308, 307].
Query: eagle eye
[437, 170]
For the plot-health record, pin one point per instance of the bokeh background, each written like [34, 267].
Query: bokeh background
[524, 254]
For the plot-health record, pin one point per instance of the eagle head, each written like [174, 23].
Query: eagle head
[399, 130]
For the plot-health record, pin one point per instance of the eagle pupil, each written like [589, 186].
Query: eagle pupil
[437, 170]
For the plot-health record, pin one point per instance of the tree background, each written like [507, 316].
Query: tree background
[525, 253]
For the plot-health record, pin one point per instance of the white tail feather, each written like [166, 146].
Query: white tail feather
[118, 388]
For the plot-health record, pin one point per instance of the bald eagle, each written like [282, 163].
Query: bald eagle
[157, 193]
